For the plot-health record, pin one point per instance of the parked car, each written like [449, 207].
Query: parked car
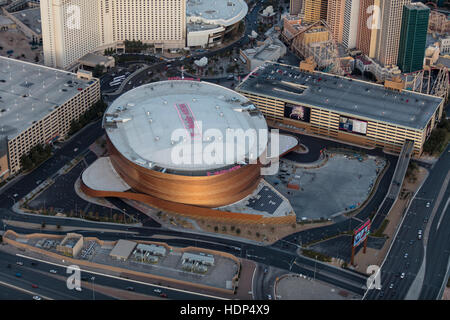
[19, 263]
[18, 275]
[405, 256]
[157, 291]
[163, 295]
[391, 286]
[53, 271]
[402, 276]
[428, 204]
[34, 286]
[37, 298]
[130, 288]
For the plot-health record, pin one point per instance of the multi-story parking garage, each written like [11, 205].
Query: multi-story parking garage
[346, 109]
[37, 106]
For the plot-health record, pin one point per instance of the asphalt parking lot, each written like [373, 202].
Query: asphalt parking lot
[61, 195]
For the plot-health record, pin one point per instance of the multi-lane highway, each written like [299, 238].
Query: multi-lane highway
[425, 232]
[53, 285]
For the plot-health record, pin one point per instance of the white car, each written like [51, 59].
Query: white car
[78, 289]
[37, 298]
[19, 263]
[428, 205]
[157, 291]
[402, 276]
[53, 271]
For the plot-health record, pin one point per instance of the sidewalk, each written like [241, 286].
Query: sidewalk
[376, 257]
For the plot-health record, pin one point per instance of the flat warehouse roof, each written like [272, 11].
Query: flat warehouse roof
[123, 249]
[29, 92]
[342, 95]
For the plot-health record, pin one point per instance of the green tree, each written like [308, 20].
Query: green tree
[98, 71]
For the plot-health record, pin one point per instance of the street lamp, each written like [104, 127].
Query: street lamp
[93, 290]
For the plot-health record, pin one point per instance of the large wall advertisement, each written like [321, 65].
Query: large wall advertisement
[352, 125]
[297, 112]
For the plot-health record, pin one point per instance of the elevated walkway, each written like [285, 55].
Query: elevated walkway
[396, 184]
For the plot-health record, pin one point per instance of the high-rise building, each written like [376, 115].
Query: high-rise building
[296, 6]
[388, 38]
[72, 28]
[351, 18]
[369, 20]
[315, 10]
[413, 37]
[335, 18]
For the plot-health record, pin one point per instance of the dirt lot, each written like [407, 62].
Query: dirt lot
[15, 40]
[268, 234]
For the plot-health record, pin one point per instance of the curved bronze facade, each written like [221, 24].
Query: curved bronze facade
[205, 191]
[193, 211]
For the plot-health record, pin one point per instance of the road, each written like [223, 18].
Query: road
[428, 212]
[54, 286]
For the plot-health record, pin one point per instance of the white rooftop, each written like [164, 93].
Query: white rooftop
[28, 92]
[219, 12]
[102, 176]
[149, 125]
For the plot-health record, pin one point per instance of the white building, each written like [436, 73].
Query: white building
[351, 18]
[444, 45]
[271, 50]
[73, 28]
[208, 21]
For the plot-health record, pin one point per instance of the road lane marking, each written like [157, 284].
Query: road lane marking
[23, 290]
[125, 279]
[443, 213]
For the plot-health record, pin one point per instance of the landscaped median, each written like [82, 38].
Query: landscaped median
[219, 273]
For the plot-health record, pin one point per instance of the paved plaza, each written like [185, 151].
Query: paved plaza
[340, 185]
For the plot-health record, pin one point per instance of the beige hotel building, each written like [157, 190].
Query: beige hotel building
[72, 28]
[37, 106]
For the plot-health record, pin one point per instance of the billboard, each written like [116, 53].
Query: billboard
[353, 125]
[297, 112]
[360, 234]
